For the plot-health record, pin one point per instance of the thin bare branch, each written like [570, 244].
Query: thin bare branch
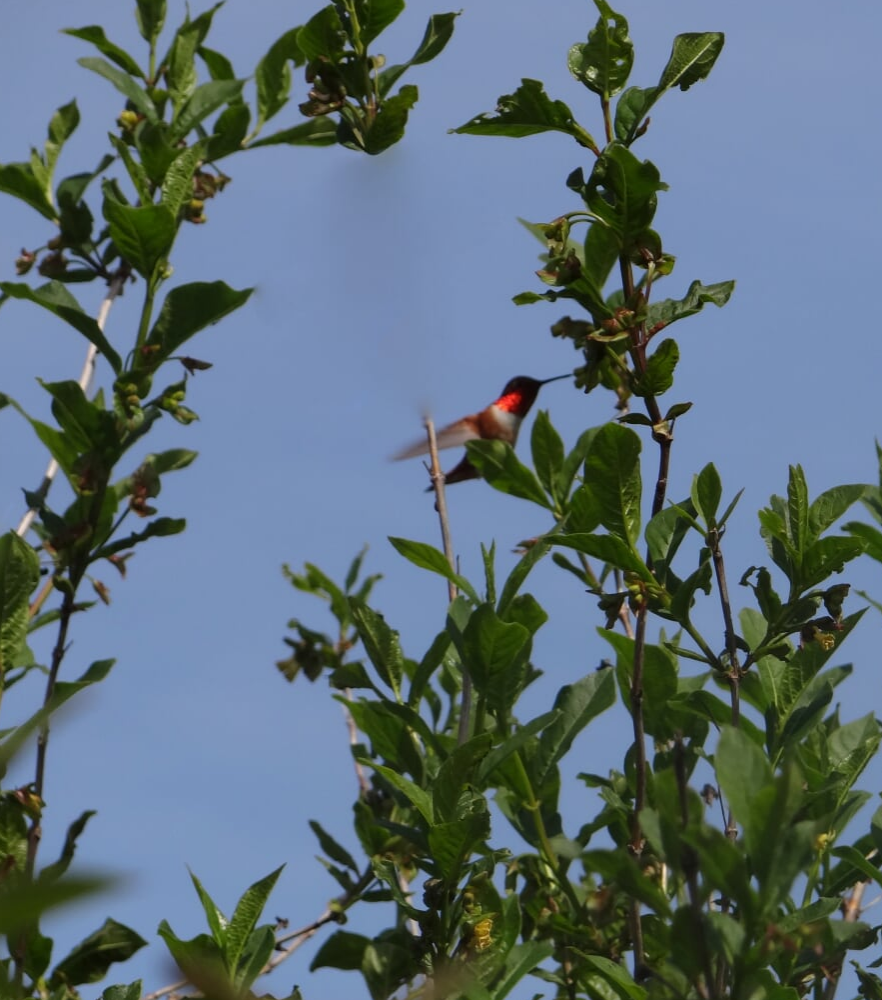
[465, 712]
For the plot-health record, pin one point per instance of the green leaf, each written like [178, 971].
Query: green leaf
[498, 464]
[692, 58]
[130, 992]
[56, 443]
[452, 843]
[160, 527]
[826, 510]
[667, 311]
[614, 980]
[55, 297]
[438, 33]
[870, 536]
[157, 151]
[199, 959]
[190, 308]
[380, 14]
[603, 63]
[330, 846]
[548, 453]
[622, 192]
[612, 472]
[609, 549]
[144, 236]
[380, 643]
[744, 774]
[826, 557]
[496, 654]
[315, 132]
[707, 491]
[576, 705]
[859, 862]
[417, 797]
[229, 131]
[342, 950]
[394, 732]
[428, 557]
[177, 184]
[660, 685]
[455, 775]
[61, 128]
[19, 576]
[89, 961]
[124, 84]
[86, 426]
[25, 902]
[528, 111]
[387, 128]
[204, 100]
[522, 736]
[517, 576]
[95, 34]
[51, 873]
[245, 916]
[135, 170]
[180, 63]
[257, 952]
[273, 76]
[18, 180]
[322, 36]
[150, 15]
[217, 64]
[659, 374]
[214, 916]
[574, 459]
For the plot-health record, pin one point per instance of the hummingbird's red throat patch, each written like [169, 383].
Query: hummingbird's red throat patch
[513, 402]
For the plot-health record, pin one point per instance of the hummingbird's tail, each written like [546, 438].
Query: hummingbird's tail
[460, 473]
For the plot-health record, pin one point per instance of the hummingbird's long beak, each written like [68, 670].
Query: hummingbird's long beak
[556, 378]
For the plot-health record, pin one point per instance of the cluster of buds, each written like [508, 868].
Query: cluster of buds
[129, 120]
[327, 93]
[144, 486]
[205, 186]
[172, 402]
[823, 630]
[25, 261]
[52, 265]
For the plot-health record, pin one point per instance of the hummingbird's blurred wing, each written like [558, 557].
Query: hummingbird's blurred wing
[448, 437]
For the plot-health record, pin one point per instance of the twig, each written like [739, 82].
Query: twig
[363, 784]
[734, 672]
[441, 506]
[166, 990]
[114, 288]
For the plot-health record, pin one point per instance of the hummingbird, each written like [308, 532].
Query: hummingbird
[500, 421]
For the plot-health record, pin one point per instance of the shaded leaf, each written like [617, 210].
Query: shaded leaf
[89, 961]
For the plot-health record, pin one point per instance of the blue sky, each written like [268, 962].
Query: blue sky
[384, 286]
